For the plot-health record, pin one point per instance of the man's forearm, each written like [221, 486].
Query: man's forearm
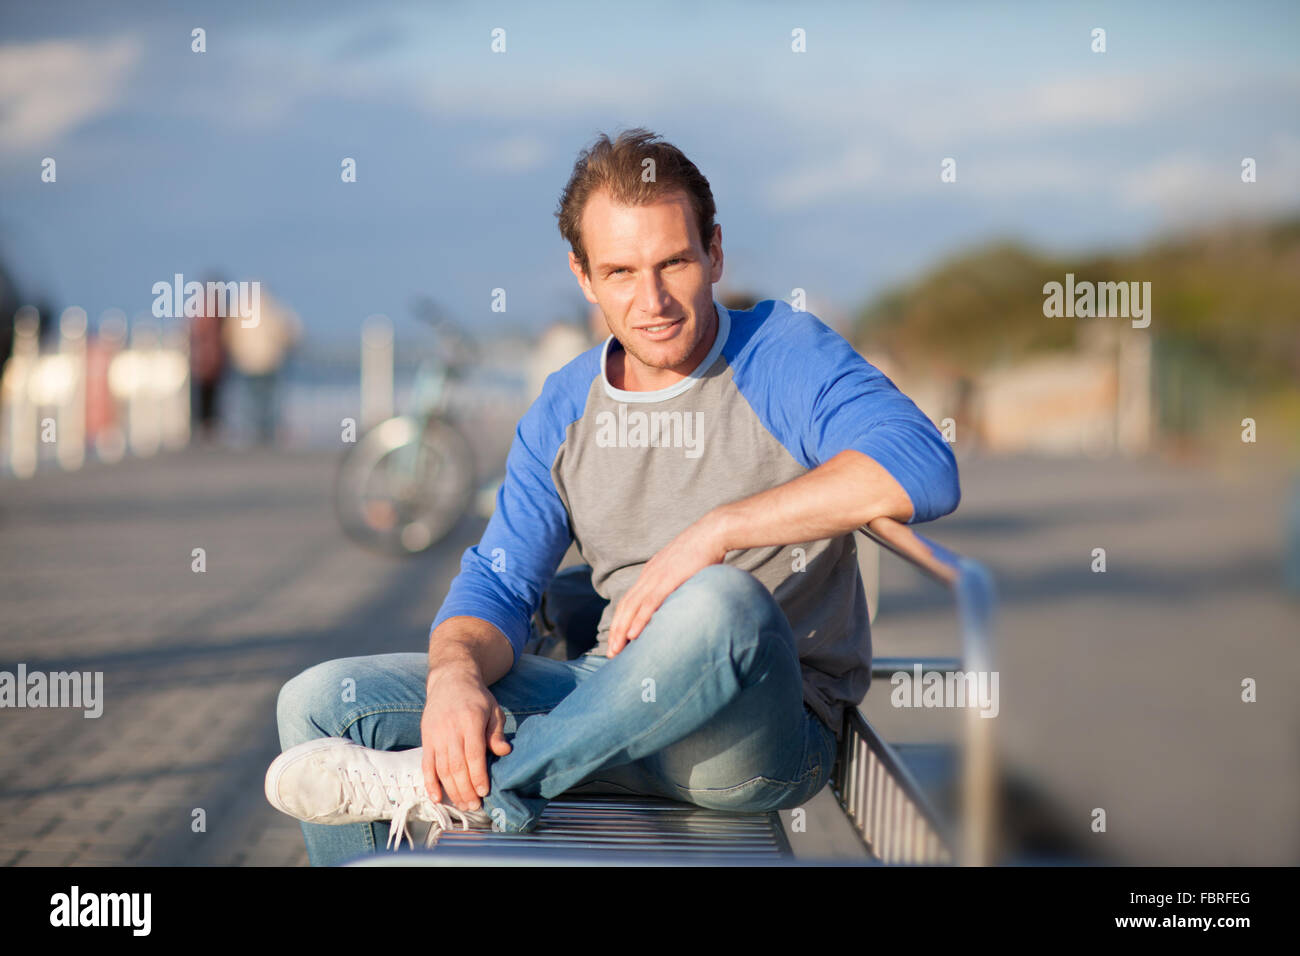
[470, 642]
[836, 497]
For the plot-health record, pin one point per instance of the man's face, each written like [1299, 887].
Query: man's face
[653, 280]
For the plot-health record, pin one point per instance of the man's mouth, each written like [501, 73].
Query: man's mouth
[662, 331]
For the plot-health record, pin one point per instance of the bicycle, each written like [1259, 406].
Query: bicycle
[407, 480]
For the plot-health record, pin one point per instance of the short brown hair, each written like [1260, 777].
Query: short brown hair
[617, 167]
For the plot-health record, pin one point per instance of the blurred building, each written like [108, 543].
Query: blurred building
[559, 343]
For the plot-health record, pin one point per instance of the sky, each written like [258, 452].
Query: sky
[825, 164]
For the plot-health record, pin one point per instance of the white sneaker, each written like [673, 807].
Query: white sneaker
[334, 780]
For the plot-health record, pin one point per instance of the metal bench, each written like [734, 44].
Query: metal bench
[890, 794]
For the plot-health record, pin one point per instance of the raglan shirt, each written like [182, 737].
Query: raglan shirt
[621, 473]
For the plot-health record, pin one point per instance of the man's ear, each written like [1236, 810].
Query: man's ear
[583, 282]
[715, 242]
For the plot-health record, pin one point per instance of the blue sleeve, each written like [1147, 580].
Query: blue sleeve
[819, 397]
[502, 578]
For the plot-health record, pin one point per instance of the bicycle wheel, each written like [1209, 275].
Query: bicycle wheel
[404, 484]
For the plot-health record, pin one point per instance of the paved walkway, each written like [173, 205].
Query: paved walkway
[1118, 690]
[95, 574]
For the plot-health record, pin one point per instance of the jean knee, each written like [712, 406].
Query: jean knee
[727, 584]
[726, 604]
[723, 593]
[302, 708]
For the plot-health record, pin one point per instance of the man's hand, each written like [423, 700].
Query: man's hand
[699, 546]
[461, 720]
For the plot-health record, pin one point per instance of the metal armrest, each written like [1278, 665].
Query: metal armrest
[975, 597]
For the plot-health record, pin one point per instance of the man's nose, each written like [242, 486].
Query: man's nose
[650, 293]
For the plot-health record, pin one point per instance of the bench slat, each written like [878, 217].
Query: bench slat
[596, 823]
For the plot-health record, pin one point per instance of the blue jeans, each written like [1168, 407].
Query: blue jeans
[705, 706]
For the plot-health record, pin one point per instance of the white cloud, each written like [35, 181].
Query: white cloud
[917, 128]
[1185, 185]
[940, 115]
[1016, 146]
[49, 88]
[1171, 180]
[518, 154]
[852, 171]
[858, 171]
[1018, 174]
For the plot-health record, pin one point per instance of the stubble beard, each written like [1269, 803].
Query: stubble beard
[662, 362]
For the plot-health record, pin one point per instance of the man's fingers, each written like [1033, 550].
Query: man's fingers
[500, 746]
[431, 778]
[462, 789]
[630, 609]
[476, 752]
[637, 622]
[429, 766]
[616, 625]
[634, 630]
[628, 612]
[444, 776]
[450, 790]
[627, 609]
[447, 771]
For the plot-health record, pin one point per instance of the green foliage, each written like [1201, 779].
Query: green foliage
[1230, 294]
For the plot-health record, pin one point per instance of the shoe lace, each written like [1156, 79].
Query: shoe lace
[411, 796]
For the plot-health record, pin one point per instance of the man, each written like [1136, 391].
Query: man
[208, 361]
[259, 352]
[711, 467]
